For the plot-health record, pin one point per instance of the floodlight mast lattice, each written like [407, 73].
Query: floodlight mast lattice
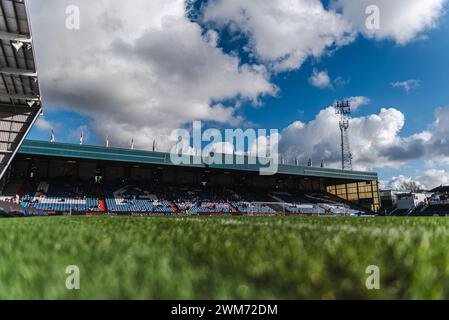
[343, 109]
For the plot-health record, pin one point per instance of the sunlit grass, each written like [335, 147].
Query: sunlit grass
[223, 258]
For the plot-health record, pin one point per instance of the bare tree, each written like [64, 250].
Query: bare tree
[411, 186]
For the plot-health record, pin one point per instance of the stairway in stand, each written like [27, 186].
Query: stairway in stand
[173, 206]
[233, 208]
[101, 199]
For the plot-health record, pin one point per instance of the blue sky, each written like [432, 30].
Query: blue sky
[367, 66]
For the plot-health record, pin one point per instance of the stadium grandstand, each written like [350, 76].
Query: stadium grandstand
[20, 102]
[437, 204]
[424, 203]
[56, 178]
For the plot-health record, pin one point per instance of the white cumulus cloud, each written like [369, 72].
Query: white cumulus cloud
[429, 180]
[358, 101]
[400, 20]
[282, 34]
[320, 79]
[375, 140]
[434, 178]
[139, 70]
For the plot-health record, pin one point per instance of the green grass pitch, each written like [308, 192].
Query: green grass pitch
[224, 258]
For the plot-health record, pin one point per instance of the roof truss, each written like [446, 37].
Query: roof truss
[20, 98]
